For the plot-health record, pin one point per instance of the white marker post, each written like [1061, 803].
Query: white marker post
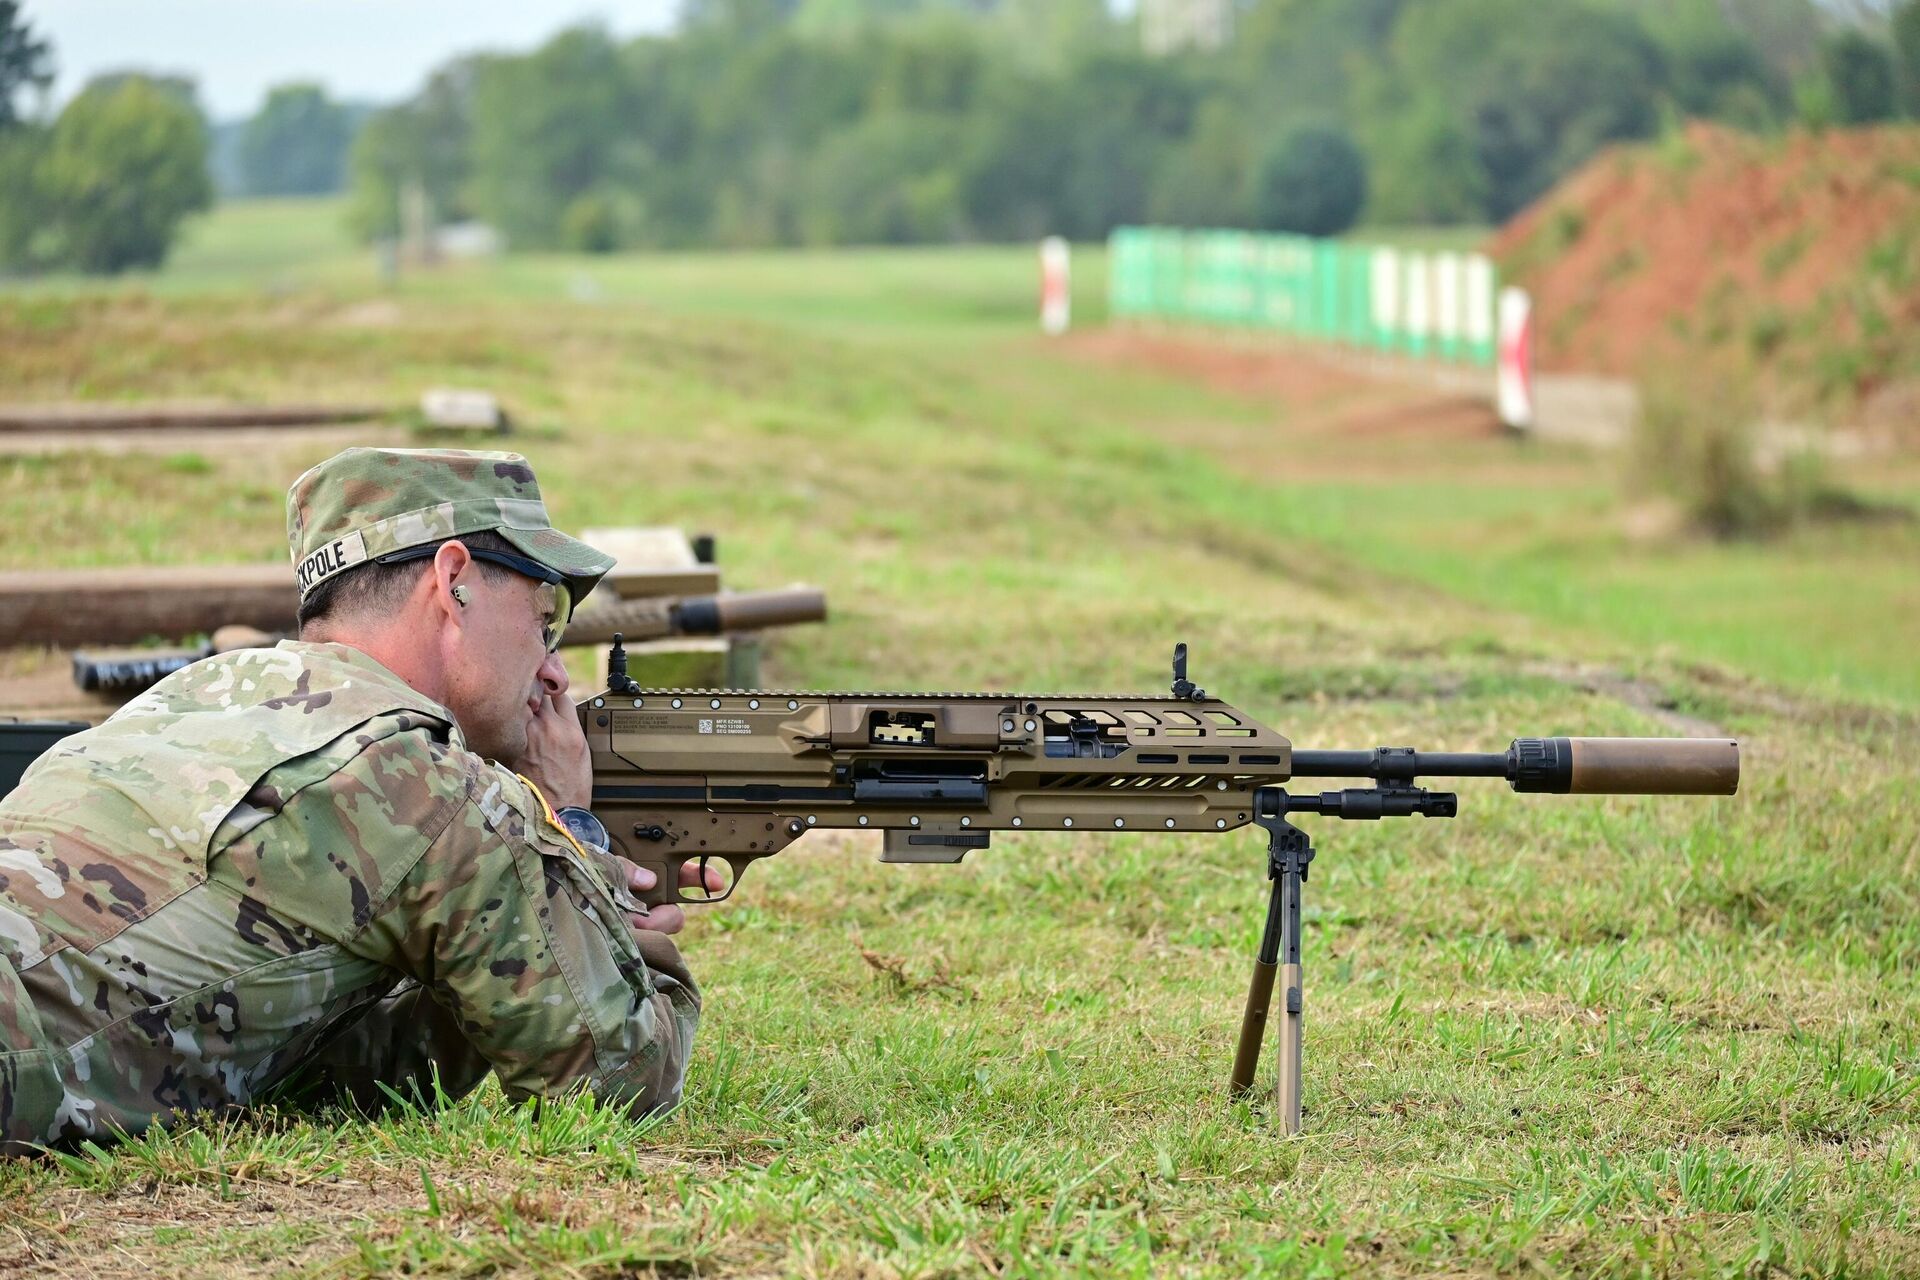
[1385, 281]
[1515, 379]
[1419, 295]
[1479, 319]
[1056, 296]
[1447, 271]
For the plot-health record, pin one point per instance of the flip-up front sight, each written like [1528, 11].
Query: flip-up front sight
[1183, 687]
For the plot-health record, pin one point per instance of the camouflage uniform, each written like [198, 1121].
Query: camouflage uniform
[280, 871]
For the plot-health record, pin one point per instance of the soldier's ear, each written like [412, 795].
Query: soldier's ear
[451, 562]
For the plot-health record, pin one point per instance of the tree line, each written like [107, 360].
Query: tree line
[104, 185]
[770, 122]
[777, 122]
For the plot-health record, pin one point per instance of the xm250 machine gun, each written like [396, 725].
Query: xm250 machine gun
[734, 776]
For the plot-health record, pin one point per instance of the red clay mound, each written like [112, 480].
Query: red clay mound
[1800, 252]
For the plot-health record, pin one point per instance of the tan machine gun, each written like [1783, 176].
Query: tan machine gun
[734, 776]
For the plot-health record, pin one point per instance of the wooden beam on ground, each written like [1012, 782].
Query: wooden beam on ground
[72, 607]
[139, 417]
[90, 607]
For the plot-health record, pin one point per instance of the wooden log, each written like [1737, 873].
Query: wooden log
[136, 417]
[81, 607]
[125, 605]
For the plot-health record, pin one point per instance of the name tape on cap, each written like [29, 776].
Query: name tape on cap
[321, 564]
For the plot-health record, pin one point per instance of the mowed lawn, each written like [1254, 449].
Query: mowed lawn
[1557, 1035]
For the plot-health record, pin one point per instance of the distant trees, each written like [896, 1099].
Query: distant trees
[1905, 27]
[1524, 92]
[855, 121]
[884, 181]
[425, 141]
[296, 144]
[26, 61]
[764, 122]
[1717, 71]
[1906, 43]
[1313, 183]
[24, 215]
[553, 129]
[124, 164]
[1863, 77]
[105, 185]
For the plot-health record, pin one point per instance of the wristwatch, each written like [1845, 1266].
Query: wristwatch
[585, 828]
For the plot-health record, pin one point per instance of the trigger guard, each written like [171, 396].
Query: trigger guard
[672, 891]
[706, 894]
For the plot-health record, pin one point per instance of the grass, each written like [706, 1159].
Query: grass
[1563, 1035]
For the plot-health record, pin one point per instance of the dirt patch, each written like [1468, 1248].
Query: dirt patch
[1281, 376]
[1313, 394]
[1335, 416]
[1459, 417]
[37, 684]
[1801, 253]
[213, 1226]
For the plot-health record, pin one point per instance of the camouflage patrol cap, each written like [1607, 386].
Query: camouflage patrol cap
[362, 504]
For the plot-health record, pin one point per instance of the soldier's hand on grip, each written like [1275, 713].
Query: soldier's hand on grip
[666, 917]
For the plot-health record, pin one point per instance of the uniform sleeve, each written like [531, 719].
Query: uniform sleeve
[510, 926]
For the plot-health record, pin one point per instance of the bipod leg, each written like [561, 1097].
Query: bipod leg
[1287, 1092]
[1288, 853]
[1253, 1024]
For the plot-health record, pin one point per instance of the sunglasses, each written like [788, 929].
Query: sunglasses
[555, 597]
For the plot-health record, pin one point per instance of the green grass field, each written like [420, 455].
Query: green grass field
[1561, 1036]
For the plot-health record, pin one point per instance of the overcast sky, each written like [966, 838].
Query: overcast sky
[379, 50]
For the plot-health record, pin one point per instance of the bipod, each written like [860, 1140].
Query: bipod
[1289, 853]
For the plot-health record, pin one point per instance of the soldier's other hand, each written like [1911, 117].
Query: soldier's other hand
[558, 760]
[667, 917]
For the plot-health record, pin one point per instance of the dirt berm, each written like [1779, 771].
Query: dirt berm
[1799, 253]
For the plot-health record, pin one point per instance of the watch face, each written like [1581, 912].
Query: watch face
[585, 827]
